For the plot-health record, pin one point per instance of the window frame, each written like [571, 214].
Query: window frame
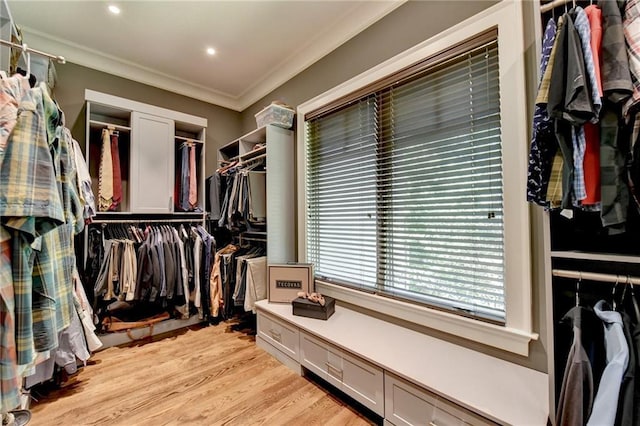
[515, 335]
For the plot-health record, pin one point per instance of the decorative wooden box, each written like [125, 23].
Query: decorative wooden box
[306, 308]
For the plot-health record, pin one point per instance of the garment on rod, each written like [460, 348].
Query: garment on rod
[41, 211]
[606, 400]
[576, 394]
[110, 179]
[187, 183]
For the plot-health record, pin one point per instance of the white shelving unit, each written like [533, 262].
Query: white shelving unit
[279, 183]
[149, 142]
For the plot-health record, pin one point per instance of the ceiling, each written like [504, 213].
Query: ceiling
[259, 44]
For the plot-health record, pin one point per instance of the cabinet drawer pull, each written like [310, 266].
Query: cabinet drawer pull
[337, 373]
[276, 336]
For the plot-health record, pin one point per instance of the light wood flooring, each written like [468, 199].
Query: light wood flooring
[204, 376]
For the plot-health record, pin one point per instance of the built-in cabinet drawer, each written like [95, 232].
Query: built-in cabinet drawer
[359, 379]
[279, 334]
[407, 404]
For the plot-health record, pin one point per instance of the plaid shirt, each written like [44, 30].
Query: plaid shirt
[9, 377]
[59, 242]
[31, 206]
[27, 174]
[11, 91]
[631, 25]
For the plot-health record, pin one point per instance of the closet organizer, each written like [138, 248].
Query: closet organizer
[141, 251]
[265, 157]
[583, 170]
[251, 207]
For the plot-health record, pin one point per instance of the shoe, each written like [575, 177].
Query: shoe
[20, 417]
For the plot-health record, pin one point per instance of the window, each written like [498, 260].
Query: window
[404, 187]
[410, 183]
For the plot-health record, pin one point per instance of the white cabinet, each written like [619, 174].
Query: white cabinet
[409, 405]
[152, 159]
[277, 333]
[357, 378]
[149, 146]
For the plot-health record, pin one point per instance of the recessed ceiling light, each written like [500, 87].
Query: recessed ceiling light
[114, 9]
[211, 51]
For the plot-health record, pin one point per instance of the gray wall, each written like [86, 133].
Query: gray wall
[223, 123]
[407, 26]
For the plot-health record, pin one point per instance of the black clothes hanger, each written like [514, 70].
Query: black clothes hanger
[32, 78]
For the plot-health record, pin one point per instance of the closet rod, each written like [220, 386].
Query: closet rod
[596, 276]
[252, 159]
[552, 5]
[24, 48]
[144, 221]
[263, 240]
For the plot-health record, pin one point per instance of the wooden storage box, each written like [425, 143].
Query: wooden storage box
[306, 308]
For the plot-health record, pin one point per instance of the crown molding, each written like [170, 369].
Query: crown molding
[82, 55]
[320, 46]
[308, 53]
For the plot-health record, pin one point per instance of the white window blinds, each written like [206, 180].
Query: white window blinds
[404, 187]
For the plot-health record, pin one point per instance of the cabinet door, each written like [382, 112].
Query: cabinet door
[364, 382]
[359, 379]
[152, 164]
[314, 355]
[283, 337]
[408, 405]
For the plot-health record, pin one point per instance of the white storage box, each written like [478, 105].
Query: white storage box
[275, 114]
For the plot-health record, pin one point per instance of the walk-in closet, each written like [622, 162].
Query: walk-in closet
[394, 212]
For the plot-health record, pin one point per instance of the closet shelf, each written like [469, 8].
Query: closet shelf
[255, 153]
[96, 124]
[601, 257]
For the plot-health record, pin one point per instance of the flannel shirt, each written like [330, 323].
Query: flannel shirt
[60, 240]
[581, 23]
[30, 206]
[614, 193]
[10, 380]
[11, 91]
[631, 26]
[616, 78]
[579, 148]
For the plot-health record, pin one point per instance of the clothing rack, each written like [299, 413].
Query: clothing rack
[28, 49]
[262, 240]
[251, 160]
[596, 276]
[149, 221]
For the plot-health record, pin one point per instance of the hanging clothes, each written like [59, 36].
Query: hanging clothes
[187, 181]
[577, 389]
[606, 400]
[110, 178]
[117, 177]
[105, 176]
[41, 211]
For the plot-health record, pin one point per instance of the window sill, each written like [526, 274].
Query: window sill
[500, 337]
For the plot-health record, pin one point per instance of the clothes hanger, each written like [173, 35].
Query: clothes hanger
[25, 48]
[636, 309]
[578, 289]
[614, 304]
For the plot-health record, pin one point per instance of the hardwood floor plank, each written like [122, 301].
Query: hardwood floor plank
[205, 376]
